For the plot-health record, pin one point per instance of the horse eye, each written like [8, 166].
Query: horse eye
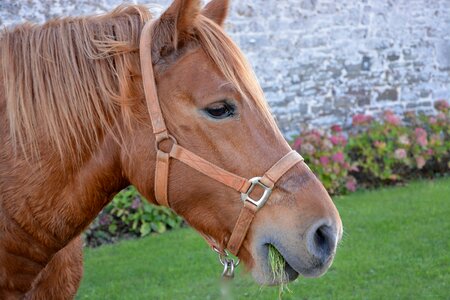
[220, 110]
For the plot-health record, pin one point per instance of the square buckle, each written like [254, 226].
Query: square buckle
[258, 203]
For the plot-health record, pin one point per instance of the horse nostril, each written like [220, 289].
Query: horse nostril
[322, 242]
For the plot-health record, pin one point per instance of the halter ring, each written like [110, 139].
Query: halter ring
[227, 262]
[164, 138]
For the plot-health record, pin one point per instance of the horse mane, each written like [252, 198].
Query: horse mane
[68, 81]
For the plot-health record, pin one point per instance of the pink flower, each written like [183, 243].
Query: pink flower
[441, 105]
[361, 119]
[391, 118]
[432, 120]
[351, 184]
[420, 132]
[336, 128]
[441, 117]
[420, 161]
[338, 157]
[297, 143]
[334, 139]
[422, 141]
[338, 140]
[314, 136]
[421, 136]
[430, 152]
[400, 154]
[324, 160]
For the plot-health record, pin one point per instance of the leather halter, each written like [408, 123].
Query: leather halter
[238, 183]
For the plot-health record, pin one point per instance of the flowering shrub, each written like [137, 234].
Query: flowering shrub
[324, 153]
[433, 138]
[391, 150]
[377, 152]
[380, 149]
[130, 215]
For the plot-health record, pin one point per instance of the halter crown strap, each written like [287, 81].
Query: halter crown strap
[240, 184]
[148, 78]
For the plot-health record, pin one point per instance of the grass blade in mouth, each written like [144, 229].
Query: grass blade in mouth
[277, 266]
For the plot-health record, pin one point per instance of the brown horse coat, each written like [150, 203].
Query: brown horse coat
[74, 130]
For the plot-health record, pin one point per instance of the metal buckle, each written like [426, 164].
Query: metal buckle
[254, 182]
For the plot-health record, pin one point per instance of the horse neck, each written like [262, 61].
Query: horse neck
[96, 182]
[46, 206]
[59, 199]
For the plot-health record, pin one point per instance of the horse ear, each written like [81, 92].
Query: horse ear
[174, 27]
[216, 10]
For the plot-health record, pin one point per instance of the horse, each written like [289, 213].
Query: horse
[77, 126]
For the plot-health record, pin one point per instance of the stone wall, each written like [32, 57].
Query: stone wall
[321, 61]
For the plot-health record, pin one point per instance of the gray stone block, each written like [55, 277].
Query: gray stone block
[390, 94]
[443, 53]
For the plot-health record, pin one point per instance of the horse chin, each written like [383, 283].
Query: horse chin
[293, 267]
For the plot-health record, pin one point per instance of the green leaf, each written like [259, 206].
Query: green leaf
[145, 229]
[112, 228]
[159, 227]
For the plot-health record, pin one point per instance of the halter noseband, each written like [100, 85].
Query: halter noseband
[240, 184]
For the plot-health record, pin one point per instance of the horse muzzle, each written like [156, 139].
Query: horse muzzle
[310, 256]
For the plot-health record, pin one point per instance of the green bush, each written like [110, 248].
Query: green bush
[130, 215]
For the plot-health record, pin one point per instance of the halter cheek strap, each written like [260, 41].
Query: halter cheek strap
[236, 182]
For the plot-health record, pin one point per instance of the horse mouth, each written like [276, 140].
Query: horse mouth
[289, 267]
[278, 267]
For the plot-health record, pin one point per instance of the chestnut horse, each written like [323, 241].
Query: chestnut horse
[75, 129]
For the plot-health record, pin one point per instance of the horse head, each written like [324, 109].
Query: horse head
[214, 107]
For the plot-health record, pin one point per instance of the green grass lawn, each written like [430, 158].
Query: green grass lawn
[396, 246]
